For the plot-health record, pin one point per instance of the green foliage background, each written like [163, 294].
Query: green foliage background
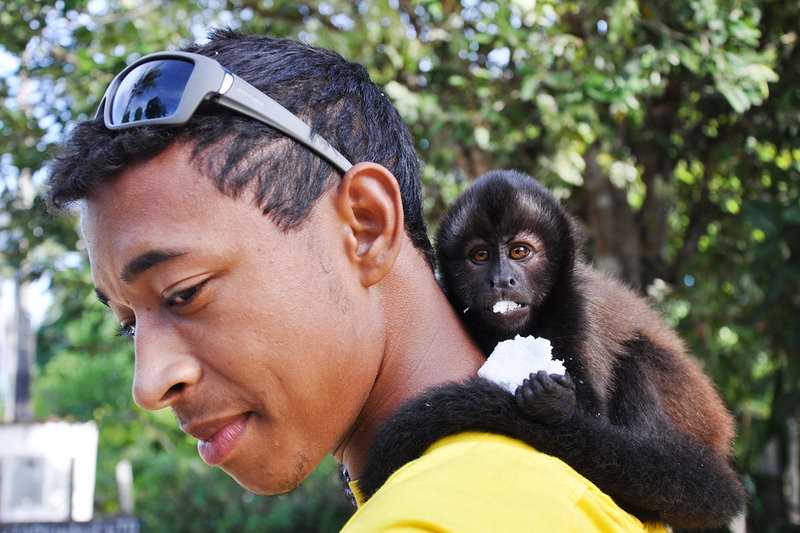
[670, 128]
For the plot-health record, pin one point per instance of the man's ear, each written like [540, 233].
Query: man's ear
[368, 200]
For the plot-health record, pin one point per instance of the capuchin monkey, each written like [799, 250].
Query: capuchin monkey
[633, 413]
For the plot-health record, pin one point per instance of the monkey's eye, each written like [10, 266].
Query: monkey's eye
[480, 255]
[519, 251]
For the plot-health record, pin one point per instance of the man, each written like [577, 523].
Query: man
[281, 300]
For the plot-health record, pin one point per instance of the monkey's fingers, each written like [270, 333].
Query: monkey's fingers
[529, 391]
[549, 382]
[545, 401]
[564, 380]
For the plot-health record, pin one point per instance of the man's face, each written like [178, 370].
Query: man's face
[258, 340]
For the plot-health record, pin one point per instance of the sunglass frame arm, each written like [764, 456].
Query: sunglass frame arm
[263, 108]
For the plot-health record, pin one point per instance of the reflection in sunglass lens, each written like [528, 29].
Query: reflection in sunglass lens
[151, 90]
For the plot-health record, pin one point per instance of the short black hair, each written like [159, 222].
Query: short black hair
[333, 95]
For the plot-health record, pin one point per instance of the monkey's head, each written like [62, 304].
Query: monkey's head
[503, 248]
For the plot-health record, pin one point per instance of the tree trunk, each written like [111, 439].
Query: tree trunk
[612, 225]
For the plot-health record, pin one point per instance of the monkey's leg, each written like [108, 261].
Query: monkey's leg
[547, 398]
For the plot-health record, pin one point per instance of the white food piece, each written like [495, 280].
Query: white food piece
[515, 359]
[504, 306]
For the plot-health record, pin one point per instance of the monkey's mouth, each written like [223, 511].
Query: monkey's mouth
[507, 316]
[504, 307]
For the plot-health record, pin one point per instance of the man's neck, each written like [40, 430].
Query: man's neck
[425, 346]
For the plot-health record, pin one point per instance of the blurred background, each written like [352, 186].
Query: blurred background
[671, 128]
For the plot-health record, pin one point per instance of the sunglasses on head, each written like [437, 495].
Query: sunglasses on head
[166, 88]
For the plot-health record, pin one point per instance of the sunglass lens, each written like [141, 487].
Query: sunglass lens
[151, 90]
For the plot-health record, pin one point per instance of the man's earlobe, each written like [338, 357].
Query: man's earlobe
[368, 199]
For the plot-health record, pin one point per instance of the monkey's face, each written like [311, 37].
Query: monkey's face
[499, 281]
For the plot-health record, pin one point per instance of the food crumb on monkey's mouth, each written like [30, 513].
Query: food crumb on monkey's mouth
[505, 306]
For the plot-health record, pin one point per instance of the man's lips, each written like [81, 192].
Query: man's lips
[216, 440]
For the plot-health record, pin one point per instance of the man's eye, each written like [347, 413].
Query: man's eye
[183, 297]
[126, 329]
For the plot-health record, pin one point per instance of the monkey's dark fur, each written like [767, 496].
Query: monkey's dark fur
[639, 418]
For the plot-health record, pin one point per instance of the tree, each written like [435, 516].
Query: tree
[670, 128]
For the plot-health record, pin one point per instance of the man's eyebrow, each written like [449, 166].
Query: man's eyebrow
[141, 263]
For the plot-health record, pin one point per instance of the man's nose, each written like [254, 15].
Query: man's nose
[164, 369]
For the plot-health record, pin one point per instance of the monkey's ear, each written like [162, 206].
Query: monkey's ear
[368, 200]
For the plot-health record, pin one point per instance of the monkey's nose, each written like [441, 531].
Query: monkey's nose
[502, 283]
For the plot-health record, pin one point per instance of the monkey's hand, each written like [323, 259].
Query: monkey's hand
[547, 398]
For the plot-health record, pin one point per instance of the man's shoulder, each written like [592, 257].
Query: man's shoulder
[482, 482]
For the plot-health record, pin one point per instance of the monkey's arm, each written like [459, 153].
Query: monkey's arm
[665, 477]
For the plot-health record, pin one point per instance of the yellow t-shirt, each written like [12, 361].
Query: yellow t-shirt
[485, 483]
